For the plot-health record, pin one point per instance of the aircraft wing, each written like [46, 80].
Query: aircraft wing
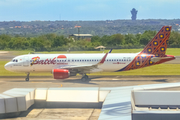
[85, 68]
[79, 68]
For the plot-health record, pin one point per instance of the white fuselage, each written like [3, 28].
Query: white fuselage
[48, 62]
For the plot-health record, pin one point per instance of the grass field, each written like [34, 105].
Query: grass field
[161, 69]
[170, 51]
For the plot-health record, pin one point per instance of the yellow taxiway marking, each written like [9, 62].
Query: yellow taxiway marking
[61, 85]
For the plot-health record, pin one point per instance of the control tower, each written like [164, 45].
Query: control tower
[134, 14]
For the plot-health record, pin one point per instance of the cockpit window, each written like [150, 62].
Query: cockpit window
[14, 60]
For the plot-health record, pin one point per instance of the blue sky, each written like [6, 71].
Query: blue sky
[27, 10]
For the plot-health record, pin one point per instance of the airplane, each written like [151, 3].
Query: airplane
[63, 66]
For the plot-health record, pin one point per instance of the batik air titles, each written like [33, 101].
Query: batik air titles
[63, 66]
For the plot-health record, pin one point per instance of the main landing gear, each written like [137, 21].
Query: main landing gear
[27, 78]
[84, 78]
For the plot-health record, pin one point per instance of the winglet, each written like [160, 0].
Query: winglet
[110, 51]
[104, 57]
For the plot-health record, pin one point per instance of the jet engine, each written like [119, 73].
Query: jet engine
[60, 73]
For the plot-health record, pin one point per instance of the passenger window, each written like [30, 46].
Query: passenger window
[82, 60]
[16, 60]
[68, 60]
[72, 60]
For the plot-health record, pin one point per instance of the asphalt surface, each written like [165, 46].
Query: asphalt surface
[94, 81]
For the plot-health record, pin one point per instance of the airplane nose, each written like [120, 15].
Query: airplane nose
[7, 66]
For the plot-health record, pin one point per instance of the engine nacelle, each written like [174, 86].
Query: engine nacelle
[60, 73]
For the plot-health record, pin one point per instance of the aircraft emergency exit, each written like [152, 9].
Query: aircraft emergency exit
[63, 66]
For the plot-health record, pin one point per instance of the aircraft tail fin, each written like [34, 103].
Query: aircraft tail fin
[158, 44]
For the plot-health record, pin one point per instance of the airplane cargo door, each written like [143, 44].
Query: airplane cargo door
[26, 61]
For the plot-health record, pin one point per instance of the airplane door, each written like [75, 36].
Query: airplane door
[26, 61]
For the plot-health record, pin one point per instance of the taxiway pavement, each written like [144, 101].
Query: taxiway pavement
[95, 81]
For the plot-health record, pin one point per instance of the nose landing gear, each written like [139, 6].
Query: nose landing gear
[27, 78]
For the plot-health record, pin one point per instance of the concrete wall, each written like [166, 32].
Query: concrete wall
[155, 105]
[70, 97]
[157, 98]
[20, 99]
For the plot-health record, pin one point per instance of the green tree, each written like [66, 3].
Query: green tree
[174, 38]
[95, 39]
[117, 39]
[59, 41]
[130, 39]
[147, 36]
[106, 40]
[37, 44]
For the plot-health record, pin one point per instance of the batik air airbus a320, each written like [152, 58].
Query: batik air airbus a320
[63, 66]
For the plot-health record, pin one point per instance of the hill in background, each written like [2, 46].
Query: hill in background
[100, 28]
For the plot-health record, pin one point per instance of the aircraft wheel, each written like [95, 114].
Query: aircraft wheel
[84, 78]
[27, 79]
